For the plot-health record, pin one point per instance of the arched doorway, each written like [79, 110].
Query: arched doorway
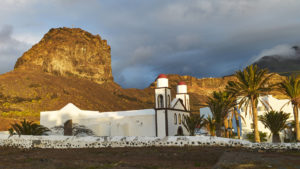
[179, 131]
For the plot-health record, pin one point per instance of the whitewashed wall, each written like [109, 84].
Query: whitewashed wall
[124, 123]
[171, 122]
[276, 105]
[161, 123]
[62, 142]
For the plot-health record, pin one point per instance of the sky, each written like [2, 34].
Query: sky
[201, 38]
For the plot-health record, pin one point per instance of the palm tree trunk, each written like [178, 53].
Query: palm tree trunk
[296, 116]
[230, 126]
[218, 130]
[276, 138]
[226, 133]
[237, 124]
[213, 133]
[255, 121]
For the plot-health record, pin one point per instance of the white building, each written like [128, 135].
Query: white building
[165, 119]
[271, 103]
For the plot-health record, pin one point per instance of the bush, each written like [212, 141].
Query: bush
[27, 128]
[262, 135]
[77, 130]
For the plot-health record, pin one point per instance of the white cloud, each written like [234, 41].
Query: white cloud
[27, 38]
[283, 50]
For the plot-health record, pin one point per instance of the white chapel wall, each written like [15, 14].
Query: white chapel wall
[174, 123]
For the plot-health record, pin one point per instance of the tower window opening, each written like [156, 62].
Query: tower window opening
[160, 101]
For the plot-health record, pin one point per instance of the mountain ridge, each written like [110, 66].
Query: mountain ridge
[37, 84]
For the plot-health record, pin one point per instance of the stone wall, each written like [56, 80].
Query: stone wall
[61, 142]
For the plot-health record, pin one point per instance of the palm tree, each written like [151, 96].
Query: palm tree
[290, 133]
[237, 115]
[291, 88]
[220, 103]
[225, 122]
[192, 122]
[251, 83]
[275, 122]
[27, 128]
[210, 124]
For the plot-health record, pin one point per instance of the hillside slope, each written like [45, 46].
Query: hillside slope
[23, 94]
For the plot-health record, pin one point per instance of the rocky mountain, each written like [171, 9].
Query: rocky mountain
[284, 65]
[70, 52]
[72, 65]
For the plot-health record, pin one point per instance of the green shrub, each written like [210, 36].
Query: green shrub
[262, 135]
[27, 128]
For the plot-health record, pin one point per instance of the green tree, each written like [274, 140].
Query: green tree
[192, 122]
[291, 88]
[275, 122]
[251, 83]
[27, 128]
[220, 103]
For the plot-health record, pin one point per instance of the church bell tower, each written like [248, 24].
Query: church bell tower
[162, 92]
[183, 94]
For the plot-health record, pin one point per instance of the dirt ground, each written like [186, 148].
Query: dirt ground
[147, 158]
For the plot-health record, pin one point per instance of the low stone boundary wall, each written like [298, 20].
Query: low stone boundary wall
[62, 142]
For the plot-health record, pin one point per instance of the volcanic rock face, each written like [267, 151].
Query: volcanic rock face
[70, 52]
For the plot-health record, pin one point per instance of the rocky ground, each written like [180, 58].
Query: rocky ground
[148, 158]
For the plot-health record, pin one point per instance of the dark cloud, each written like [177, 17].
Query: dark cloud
[10, 49]
[201, 38]
[283, 59]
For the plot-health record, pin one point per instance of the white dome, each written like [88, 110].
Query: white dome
[162, 81]
[181, 87]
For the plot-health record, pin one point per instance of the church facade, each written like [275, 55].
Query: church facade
[165, 119]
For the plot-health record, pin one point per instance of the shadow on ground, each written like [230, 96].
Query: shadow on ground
[147, 158]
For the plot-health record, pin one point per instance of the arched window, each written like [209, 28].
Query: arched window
[160, 101]
[169, 101]
[175, 118]
[179, 118]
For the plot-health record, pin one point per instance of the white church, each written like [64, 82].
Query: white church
[165, 119]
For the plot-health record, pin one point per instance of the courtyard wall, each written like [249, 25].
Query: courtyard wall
[63, 142]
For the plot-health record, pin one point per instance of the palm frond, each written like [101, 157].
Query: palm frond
[274, 121]
[27, 128]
